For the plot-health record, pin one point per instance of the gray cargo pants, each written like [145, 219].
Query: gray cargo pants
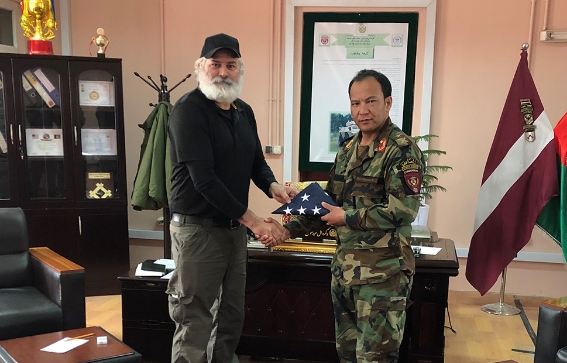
[210, 264]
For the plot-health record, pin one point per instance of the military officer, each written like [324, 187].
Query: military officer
[375, 181]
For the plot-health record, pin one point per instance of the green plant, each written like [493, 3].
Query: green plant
[428, 183]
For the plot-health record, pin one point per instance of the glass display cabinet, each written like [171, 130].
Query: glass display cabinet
[4, 171]
[62, 159]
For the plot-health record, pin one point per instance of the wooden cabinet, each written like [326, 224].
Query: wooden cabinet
[146, 325]
[289, 312]
[62, 159]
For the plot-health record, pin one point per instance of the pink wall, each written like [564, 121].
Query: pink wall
[133, 28]
[477, 47]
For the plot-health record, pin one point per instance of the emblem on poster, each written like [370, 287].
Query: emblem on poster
[397, 40]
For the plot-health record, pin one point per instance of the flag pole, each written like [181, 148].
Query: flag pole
[500, 308]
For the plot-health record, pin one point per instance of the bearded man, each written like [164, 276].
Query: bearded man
[215, 153]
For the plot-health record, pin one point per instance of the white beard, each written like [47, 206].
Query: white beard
[218, 89]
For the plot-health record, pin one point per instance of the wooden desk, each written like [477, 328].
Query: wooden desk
[289, 312]
[27, 349]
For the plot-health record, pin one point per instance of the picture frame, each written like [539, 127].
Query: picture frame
[326, 77]
[96, 93]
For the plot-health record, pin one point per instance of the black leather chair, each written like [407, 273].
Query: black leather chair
[551, 341]
[40, 291]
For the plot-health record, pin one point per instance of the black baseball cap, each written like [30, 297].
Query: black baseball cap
[220, 41]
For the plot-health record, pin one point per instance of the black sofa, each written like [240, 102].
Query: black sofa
[40, 291]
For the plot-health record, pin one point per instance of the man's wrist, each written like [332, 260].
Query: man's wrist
[248, 219]
[289, 231]
[270, 190]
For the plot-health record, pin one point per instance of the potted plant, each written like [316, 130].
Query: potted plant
[429, 180]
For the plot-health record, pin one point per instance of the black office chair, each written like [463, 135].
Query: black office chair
[551, 341]
[40, 291]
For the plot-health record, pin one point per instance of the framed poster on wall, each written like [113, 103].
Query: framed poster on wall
[335, 47]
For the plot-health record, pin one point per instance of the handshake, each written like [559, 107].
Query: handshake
[268, 231]
[271, 233]
[312, 201]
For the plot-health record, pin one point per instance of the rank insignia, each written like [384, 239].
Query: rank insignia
[382, 145]
[527, 110]
[412, 178]
[349, 145]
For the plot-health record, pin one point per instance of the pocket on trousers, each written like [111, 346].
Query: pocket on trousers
[177, 308]
[173, 302]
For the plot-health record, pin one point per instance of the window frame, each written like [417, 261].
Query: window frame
[14, 7]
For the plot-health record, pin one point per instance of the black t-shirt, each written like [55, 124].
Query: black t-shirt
[214, 153]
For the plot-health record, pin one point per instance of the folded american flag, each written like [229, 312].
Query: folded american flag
[307, 202]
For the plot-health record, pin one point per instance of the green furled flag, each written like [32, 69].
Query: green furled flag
[553, 217]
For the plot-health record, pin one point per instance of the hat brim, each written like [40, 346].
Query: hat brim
[211, 52]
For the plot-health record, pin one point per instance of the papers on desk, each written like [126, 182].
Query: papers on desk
[156, 268]
[169, 264]
[424, 250]
[140, 272]
[168, 276]
[64, 345]
[256, 244]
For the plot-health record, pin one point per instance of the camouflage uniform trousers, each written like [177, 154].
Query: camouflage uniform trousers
[370, 319]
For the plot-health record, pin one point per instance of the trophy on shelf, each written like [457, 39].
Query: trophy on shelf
[101, 41]
[38, 22]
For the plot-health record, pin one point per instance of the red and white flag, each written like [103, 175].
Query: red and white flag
[519, 178]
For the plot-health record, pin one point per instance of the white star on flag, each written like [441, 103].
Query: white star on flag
[316, 210]
[305, 197]
[288, 210]
[301, 210]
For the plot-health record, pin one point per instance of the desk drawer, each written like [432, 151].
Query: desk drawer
[145, 305]
[430, 287]
[154, 344]
[146, 285]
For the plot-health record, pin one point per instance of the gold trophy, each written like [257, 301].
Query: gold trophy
[101, 41]
[38, 22]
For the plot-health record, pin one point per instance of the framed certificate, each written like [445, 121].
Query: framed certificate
[98, 141]
[99, 185]
[96, 93]
[44, 142]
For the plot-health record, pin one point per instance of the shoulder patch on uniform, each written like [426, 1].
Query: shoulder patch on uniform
[349, 144]
[412, 177]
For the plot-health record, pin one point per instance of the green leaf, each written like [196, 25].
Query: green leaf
[428, 177]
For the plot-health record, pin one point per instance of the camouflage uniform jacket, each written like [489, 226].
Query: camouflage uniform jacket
[378, 191]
